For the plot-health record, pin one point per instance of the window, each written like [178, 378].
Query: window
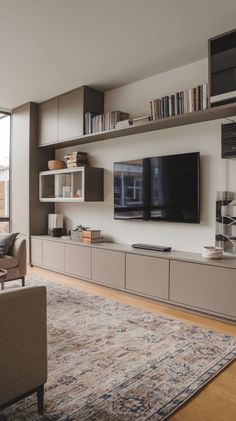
[4, 172]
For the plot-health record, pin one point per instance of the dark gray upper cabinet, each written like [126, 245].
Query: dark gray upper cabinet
[61, 119]
[71, 115]
[48, 122]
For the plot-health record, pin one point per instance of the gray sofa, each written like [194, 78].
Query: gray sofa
[15, 264]
[23, 344]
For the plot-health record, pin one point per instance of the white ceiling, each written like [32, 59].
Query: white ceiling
[51, 46]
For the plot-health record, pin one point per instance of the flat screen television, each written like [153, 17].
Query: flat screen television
[161, 188]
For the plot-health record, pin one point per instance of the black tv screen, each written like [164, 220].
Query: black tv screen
[161, 188]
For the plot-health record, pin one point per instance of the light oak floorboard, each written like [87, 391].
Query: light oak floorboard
[215, 402]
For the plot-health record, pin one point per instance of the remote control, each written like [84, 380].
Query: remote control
[151, 247]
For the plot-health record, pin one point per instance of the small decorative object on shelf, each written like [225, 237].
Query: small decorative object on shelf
[95, 123]
[75, 233]
[141, 120]
[188, 101]
[55, 224]
[91, 236]
[211, 252]
[135, 122]
[56, 164]
[76, 159]
[124, 123]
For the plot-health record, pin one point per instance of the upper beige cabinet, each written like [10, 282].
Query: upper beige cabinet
[61, 119]
[70, 117]
[48, 122]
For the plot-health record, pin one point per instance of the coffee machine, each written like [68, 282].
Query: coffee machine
[55, 224]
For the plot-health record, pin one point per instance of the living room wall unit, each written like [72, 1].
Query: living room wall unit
[28, 215]
[216, 174]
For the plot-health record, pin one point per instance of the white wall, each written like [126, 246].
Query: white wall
[216, 174]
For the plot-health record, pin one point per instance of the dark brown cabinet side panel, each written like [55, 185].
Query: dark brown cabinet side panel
[94, 182]
[93, 100]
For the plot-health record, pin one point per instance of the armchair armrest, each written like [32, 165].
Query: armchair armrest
[23, 341]
[19, 252]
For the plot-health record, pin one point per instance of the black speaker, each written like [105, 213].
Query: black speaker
[228, 140]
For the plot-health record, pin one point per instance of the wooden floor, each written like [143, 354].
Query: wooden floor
[217, 401]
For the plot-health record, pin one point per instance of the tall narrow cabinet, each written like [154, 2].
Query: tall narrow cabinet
[28, 215]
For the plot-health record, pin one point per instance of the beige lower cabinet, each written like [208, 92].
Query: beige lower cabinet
[204, 287]
[53, 255]
[147, 275]
[108, 267]
[78, 260]
[37, 251]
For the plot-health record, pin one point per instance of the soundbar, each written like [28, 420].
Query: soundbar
[151, 247]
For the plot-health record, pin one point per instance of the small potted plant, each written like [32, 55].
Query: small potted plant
[76, 232]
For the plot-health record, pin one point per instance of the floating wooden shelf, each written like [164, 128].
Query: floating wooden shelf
[213, 113]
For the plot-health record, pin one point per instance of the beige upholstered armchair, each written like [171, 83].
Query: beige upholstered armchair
[15, 264]
[23, 344]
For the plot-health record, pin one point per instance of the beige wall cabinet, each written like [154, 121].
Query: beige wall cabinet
[53, 255]
[147, 275]
[78, 260]
[187, 280]
[70, 121]
[48, 122]
[108, 267]
[204, 287]
[37, 251]
[61, 119]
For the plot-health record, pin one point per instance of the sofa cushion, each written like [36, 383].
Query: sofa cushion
[7, 241]
[8, 262]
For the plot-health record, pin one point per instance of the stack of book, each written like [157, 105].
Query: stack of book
[76, 159]
[124, 123]
[91, 236]
[141, 120]
[95, 123]
[188, 101]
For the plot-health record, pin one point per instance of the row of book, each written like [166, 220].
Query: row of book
[91, 236]
[76, 159]
[95, 123]
[188, 101]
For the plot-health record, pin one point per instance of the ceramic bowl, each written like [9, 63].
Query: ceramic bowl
[211, 252]
[56, 164]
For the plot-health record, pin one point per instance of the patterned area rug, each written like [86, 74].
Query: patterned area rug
[113, 362]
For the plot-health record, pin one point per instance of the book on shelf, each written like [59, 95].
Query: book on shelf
[76, 159]
[95, 123]
[91, 234]
[72, 165]
[124, 123]
[88, 122]
[141, 120]
[91, 240]
[182, 102]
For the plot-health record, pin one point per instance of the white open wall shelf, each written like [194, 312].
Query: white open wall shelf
[77, 185]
